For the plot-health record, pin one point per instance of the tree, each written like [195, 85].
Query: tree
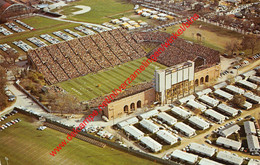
[246, 25]
[232, 46]
[250, 42]
[12, 55]
[227, 21]
[65, 103]
[239, 100]
[238, 22]
[3, 80]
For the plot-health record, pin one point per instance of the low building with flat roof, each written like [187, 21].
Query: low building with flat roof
[202, 149]
[215, 115]
[252, 98]
[150, 126]
[205, 161]
[228, 143]
[249, 127]
[247, 84]
[223, 94]
[195, 105]
[253, 144]
[227, 110]
[181, 112]
[149, 114]
[227, 131]
[209, 100]
[199, 122]
[228, 157]
[167, 118]
[184, 156]
[167, 137]
[185, 129]
[151, 144]
[254, 162]
[235, 90]
[134, 132]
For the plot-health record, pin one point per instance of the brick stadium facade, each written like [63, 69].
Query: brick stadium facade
[129, 104]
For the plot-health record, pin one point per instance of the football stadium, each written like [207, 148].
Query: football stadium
[65, 59]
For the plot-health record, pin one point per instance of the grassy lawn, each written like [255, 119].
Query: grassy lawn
[212, 36]
[23, 144]
[86, 87]
[42, 26]
[101, 10]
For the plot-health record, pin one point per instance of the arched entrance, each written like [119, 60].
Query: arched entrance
[139, 105]
[201, 80]
[132, 106]
[126, 108]
[207, 78]
[196, 82]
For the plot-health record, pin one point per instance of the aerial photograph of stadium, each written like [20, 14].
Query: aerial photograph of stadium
[129, 82]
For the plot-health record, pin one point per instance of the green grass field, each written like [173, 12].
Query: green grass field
[101, 10]
[214, 37]
[86, 87]
[24, 145]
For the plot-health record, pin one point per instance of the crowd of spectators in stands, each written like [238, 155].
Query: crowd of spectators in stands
[179, 51]
[77, 57]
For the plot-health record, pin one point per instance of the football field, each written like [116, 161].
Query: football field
[101, 83]
[22, 144]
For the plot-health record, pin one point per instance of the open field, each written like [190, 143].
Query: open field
[86, 87]
[101, 10]
[41, 24]
[212, 36]
[23, 144]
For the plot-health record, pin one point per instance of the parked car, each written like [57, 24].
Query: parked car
[208, 141]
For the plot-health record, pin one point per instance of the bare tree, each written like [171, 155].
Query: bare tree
[250, 42]
[12, 55]
[3, 80]
[65, 103]
[246, 26]
[232, 46]
[239, 100]
[227, 21]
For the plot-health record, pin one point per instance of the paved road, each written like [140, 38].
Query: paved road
[70, 21]
[22, 100]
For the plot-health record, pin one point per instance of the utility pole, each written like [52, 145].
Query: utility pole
[6, 159]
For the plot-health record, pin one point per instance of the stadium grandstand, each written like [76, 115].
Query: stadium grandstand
[71, 59]
[9, 10]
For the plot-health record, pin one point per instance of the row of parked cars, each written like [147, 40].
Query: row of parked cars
[8, 124]
[164, 26]
[256, 56]
[24, 24]
[12, 122]
[7, 115]
[14, 27]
